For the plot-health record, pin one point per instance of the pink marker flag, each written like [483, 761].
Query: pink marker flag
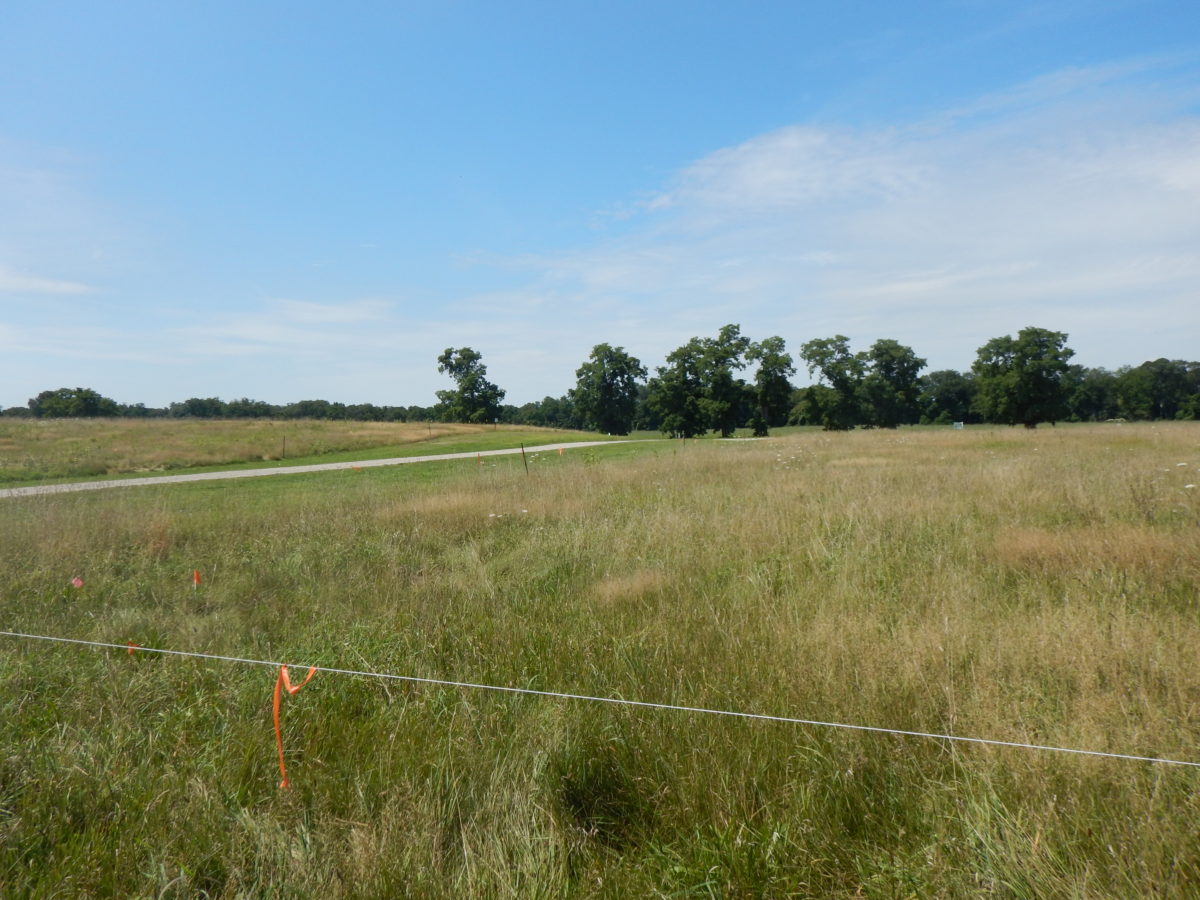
[77, 582]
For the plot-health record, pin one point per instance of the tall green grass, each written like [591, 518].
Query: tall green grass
[993, 583]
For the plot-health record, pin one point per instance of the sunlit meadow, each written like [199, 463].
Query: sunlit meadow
[1023, 586]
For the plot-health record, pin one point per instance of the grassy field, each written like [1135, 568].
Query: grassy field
[1026, 586]
[47, 450]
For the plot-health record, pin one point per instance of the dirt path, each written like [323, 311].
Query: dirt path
[281, 470]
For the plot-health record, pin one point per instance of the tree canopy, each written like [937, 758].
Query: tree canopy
[841, 373]
[892, 385]
[606, 390]
[72, 403]
[1021, 380]
[772, 389]
[475, 399]
[696, 390]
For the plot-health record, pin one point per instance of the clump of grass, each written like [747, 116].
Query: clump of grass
[988, 583]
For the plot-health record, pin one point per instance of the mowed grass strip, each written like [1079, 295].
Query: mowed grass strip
[993, 583]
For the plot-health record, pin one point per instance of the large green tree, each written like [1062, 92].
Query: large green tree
[606, 389]
[772, 389]
[1021, 380]
[723, 398]
[475, 399]
[839, 408]
[72, 403]
[674, 394]
[892, 385]
[696, 390]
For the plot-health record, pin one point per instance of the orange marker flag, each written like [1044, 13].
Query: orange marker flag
[195, 579]
[283, 683]
[478, 459]
[132, 647]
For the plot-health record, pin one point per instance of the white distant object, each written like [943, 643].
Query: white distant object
[958, 426]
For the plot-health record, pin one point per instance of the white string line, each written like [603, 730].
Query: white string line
[645, 704]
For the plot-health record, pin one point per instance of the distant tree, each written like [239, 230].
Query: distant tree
[1021, 380]
[606, 390]
[772, 389]
[314, 409]
[72, 403]
[140, 411]
[892, 385]
[839, 408]
[1157, 389]
[549, 412]
[1091, 394]
[947, 396]
[199, 408]
[646, 417]
[476, 399]
[245, 408]
[810, 404]
[365, 412]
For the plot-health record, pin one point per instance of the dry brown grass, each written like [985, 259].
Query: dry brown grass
[1120, 546]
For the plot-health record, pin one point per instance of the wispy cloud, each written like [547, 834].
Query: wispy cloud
[1071, 201]
[286, 326]
[796, 166]
[15, 282]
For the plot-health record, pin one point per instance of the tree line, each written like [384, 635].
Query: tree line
[1021, 380]
[1025, 380]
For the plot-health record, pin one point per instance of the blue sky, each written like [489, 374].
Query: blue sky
[311, 200]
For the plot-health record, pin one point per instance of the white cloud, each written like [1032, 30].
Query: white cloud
[15, 282]
[796, 166]
[306, 313]
[281, 327]
[1072, 201]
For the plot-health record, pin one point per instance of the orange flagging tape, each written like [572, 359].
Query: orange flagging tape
[195, 578]
[283, 683]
